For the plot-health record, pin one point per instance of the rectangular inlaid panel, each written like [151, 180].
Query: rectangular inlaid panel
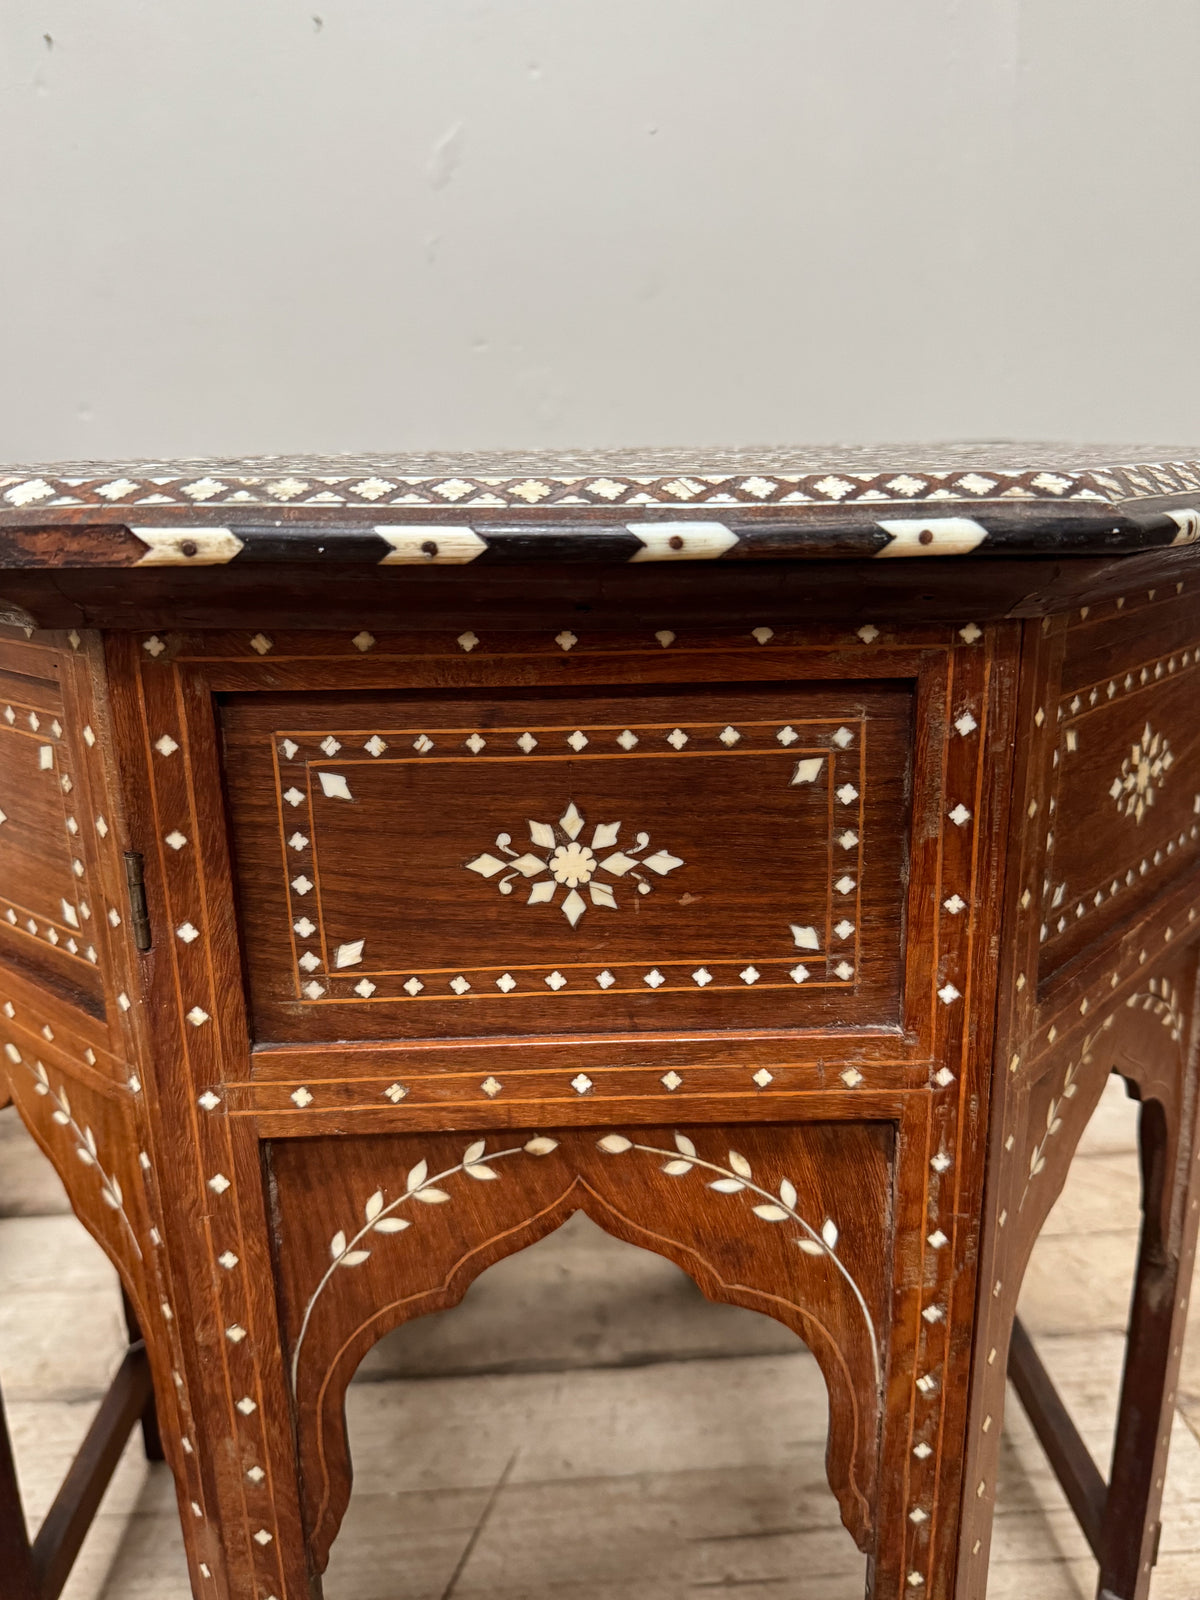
[45, 902]
[415, 866]
[1126, 817]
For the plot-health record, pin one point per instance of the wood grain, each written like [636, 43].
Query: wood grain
[862, 825]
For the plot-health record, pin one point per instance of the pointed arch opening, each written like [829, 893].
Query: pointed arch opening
[585, 1416]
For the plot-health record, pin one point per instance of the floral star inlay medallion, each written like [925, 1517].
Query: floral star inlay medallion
[571, 864]
[1142, 774]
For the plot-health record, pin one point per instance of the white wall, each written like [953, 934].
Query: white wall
[226, 226]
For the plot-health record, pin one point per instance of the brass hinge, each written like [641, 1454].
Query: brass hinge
[139, 915]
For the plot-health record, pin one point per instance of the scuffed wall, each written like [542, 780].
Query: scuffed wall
[348, 224]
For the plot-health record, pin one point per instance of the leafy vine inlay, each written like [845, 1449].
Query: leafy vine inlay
[775, 1208]
[346, 1252]
[86, 1147]
[572, 864]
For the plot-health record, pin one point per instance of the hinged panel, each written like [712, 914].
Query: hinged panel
[416, 866]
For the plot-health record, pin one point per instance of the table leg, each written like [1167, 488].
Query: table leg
[1170, 1160]
[151, 1438]
[16, 1566]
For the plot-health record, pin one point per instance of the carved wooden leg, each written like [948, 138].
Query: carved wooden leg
[1149, 1039]
[1170, 1208]
[16, 1567]
[151, 1438]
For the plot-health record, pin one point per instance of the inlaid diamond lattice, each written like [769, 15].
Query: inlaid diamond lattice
[570, 863]
[1142, 774]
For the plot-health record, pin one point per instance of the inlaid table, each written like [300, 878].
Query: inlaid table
[770, 855]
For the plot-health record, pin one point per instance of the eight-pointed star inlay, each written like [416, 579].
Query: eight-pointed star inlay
[572, 864]
[1142, 773]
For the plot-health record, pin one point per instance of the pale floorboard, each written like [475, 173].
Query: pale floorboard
[585, 1425]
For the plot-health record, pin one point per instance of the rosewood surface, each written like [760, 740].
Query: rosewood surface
[771, 857]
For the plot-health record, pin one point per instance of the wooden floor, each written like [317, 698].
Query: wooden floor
[585, 1425]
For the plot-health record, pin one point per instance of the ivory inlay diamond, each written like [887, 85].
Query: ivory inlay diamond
[808, 770]
[333, 785]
